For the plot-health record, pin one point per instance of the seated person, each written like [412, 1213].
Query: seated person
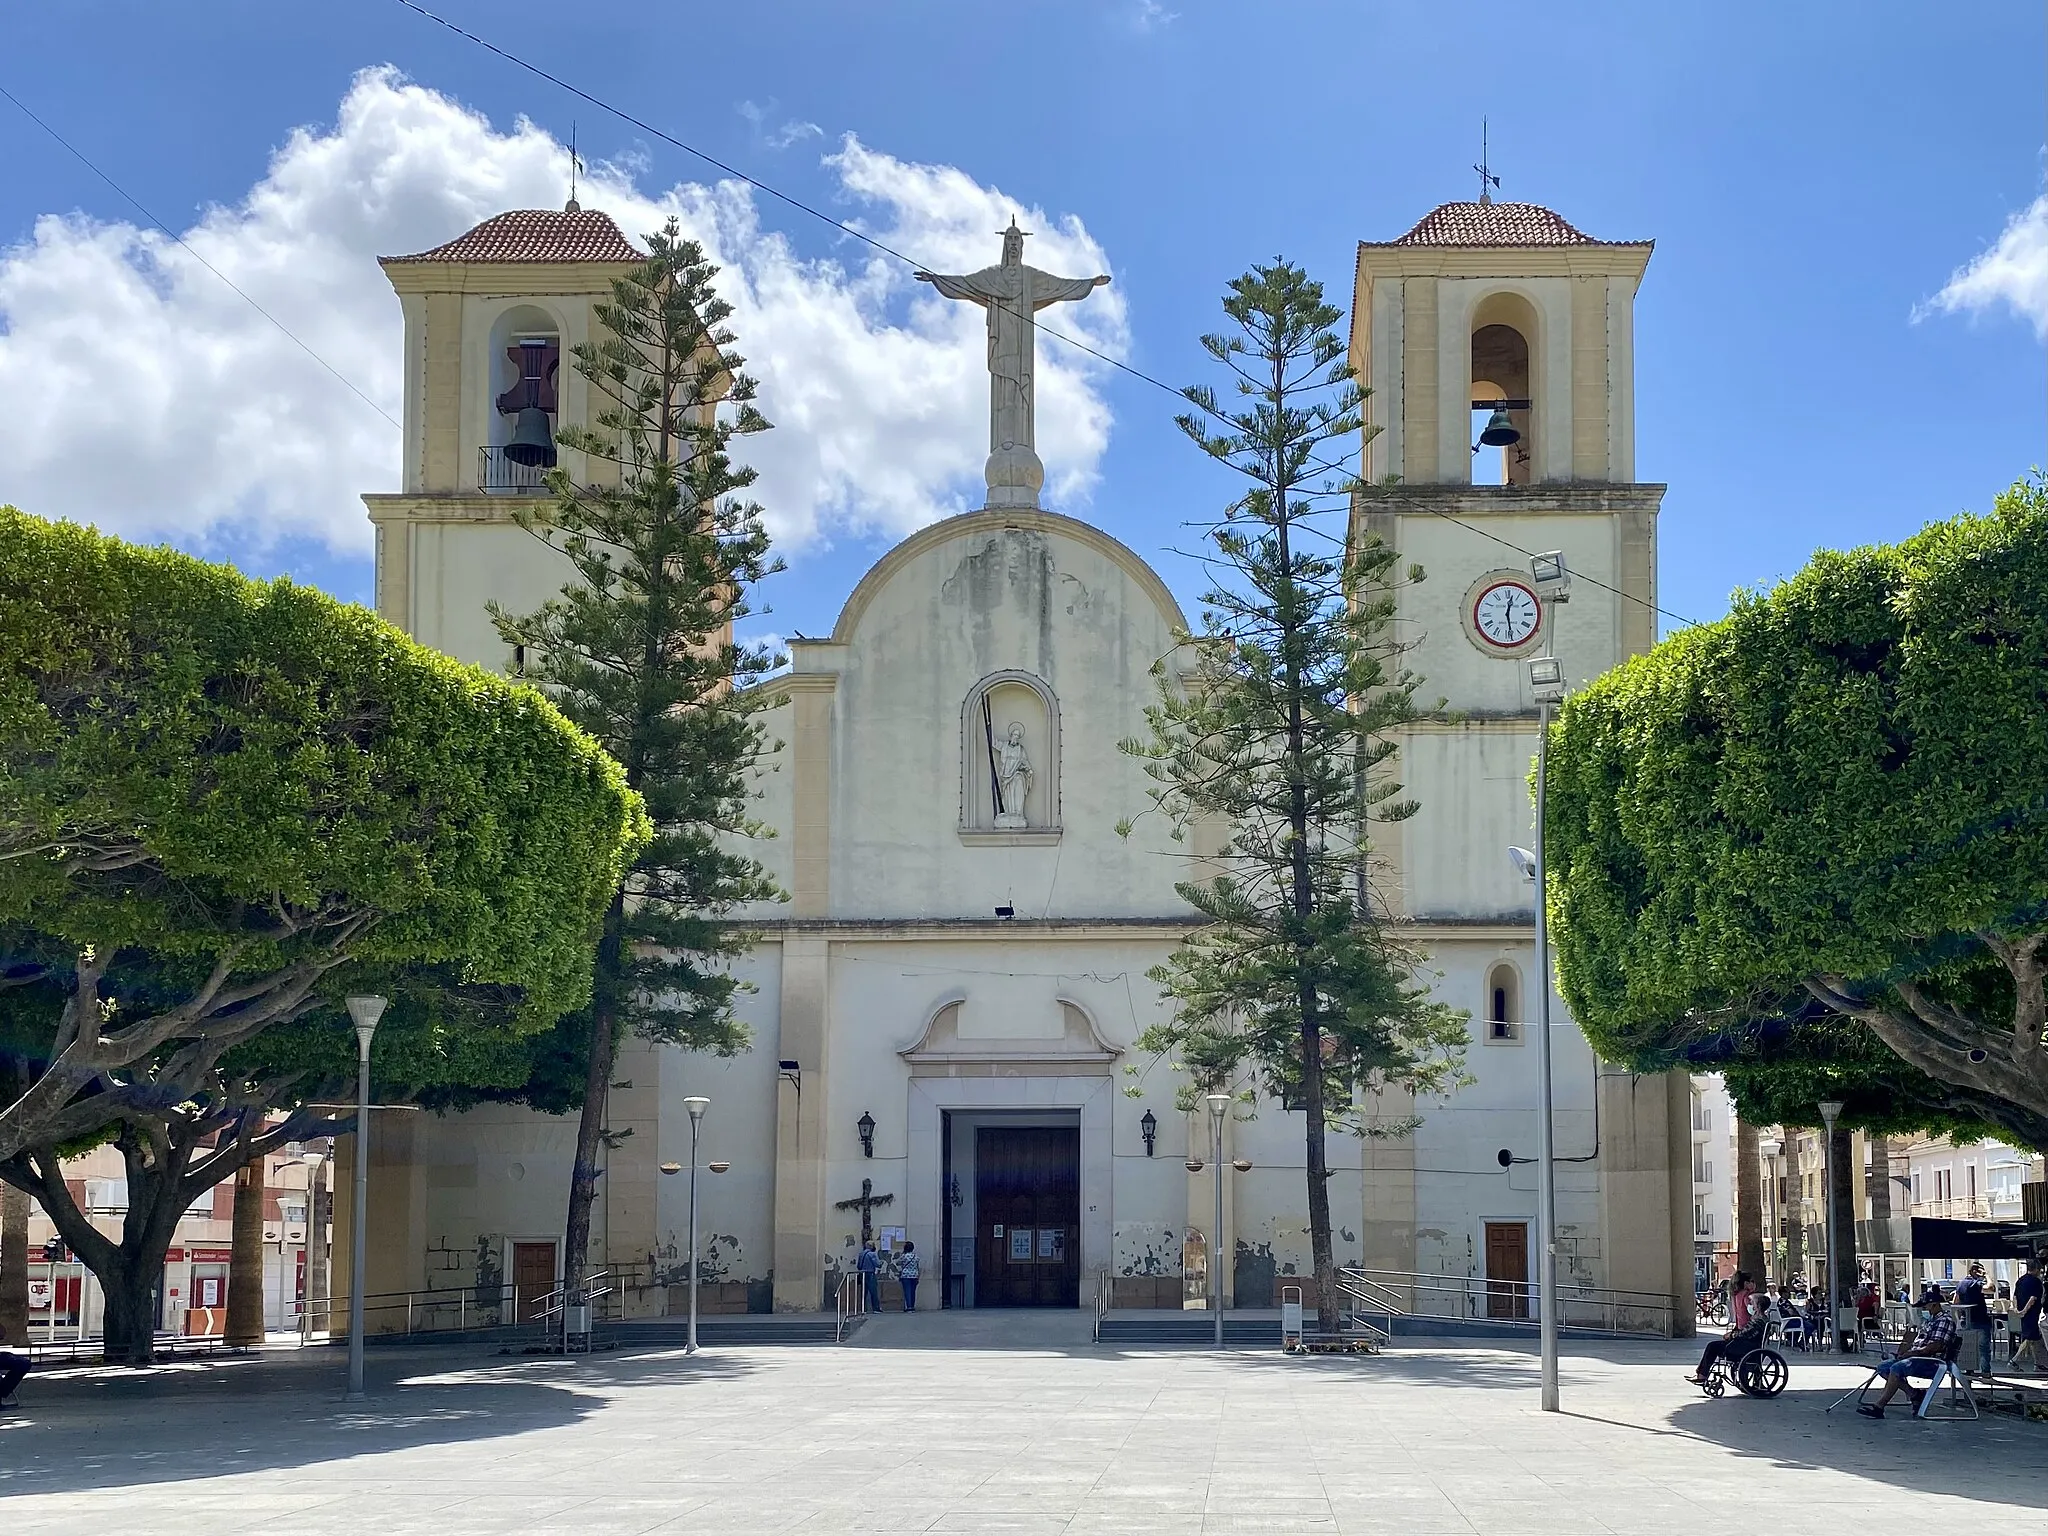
[1922, 1357]
[1866, 1307]
[1746, 1317]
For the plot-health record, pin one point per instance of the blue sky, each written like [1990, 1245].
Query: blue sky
[1814, 175]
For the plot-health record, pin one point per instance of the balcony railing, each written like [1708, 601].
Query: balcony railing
[502, 476]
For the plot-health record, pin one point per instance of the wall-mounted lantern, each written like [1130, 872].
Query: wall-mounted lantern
[866, 1127]
[1149, 1129]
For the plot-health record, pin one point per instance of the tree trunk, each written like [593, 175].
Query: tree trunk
[1749, 1200]
[604, 1016]
[13, 1264]
[245, 1264]
[1842, 1200]
[130, 1290]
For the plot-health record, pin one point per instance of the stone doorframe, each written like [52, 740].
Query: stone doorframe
[1093, 1096]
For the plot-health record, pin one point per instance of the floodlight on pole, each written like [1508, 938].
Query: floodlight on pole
[364, 1010]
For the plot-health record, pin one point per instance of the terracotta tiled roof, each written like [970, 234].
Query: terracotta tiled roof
[1496, 224]
[537, 234]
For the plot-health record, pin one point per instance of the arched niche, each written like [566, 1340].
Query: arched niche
[1503, 1004]
[1010, 720]
[1504, 345]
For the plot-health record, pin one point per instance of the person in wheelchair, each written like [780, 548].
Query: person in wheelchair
[1747, 1314]
[1929, 1348]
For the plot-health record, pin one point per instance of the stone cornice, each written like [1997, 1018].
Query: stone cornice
[445, 507]
[505, 279]
[1084, 929]
[1553, 498]
[1484, 261]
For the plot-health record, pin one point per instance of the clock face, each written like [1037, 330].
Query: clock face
[1506, 614]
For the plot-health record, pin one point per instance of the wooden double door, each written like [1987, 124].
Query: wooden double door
[1027, 1202]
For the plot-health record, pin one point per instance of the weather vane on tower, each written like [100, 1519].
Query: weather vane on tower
[1487, 180]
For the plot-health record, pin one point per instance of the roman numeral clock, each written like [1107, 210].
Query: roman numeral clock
[1502, 614]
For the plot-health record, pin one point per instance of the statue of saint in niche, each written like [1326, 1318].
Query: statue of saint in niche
[1013, 777]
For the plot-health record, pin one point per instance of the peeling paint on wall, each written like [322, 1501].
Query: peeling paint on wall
[1146, 1248]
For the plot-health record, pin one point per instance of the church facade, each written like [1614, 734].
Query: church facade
[944, 1013]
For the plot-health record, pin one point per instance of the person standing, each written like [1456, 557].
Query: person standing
[907, 1270]
[870, 1266]
[12, 1368]
[1975, 1318]
[2026, 1317]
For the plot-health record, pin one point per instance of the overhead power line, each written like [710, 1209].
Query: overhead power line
[845, 228]
[128, 197]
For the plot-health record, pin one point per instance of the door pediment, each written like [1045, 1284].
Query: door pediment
[1079, 1050]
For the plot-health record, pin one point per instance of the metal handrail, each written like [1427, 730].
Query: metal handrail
[849, 1302]
[1476, 1298]
[1103, 1292]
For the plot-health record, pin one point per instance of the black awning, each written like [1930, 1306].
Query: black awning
[1936, 1238]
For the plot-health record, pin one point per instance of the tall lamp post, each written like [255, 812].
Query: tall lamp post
[1768, 1149]
[1546, 683]
[696, 1105]
[1830, 1111]
[1219, 1106]
[364, 1010]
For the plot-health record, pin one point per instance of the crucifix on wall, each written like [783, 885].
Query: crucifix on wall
[867, 1204]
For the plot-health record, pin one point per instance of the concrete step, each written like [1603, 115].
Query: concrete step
[1197, 1331]
[746, 1328]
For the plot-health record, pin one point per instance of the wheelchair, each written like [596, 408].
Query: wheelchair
[1761, 1372]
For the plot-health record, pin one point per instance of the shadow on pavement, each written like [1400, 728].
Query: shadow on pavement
[96, 1427]
[1993, 1459]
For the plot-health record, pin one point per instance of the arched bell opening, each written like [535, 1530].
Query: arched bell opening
[525, 362]
[1503, 406]
[1503, 1005]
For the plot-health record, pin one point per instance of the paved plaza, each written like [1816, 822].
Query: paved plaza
[987, 1422]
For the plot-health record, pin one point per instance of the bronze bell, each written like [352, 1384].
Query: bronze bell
[1499, 433]
[533, 441]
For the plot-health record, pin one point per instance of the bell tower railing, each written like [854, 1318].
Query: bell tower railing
[501, 475]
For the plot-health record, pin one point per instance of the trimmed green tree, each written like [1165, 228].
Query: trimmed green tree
[222, 803]
[1272, 742]
[1829, 808]
[638, 650]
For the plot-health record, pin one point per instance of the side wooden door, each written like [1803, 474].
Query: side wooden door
[533, 1272]
[1507, 1260]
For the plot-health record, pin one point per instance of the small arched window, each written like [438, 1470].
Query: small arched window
[1503, 1005]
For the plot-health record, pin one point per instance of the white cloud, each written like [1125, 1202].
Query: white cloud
[145, 396]
[1151, 16]
[2013, 272]
[792, 131]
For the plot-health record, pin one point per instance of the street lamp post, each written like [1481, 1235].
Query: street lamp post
[364, 1010]
[696, 1105]
[1546, 683]
[1219, 1105]
[1768, 1148]
[1830, 1110]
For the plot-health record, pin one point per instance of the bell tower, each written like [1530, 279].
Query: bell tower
[1498, 345]
[491, 320]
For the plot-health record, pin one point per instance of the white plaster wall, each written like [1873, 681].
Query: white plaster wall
[459, 567]
[1458, 1180]
[736, 1209]
[1472, 788]
[498, 1173]
[983, 602]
